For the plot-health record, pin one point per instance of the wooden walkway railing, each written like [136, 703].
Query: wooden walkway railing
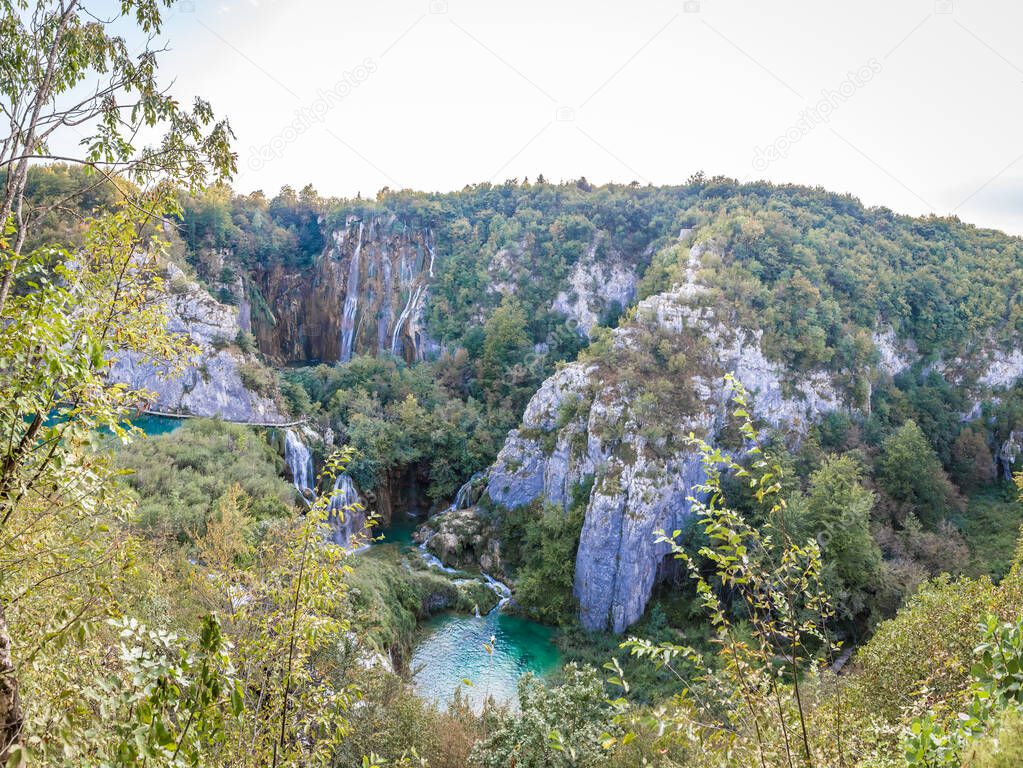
[182, 415]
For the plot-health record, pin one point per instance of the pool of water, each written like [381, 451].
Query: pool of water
[453, 650]
[398, 532]
[156, 425]
[151, 425]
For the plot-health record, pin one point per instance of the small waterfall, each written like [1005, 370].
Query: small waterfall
[351, 303]
[433, 256]
[300, 462]
[346, 514]
[467, 495]
[502, 590]
[431, 559]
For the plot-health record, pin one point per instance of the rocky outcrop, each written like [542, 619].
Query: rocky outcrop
[893, 354]
[1002, 369]
[595, 431]
[463, 539]
[367, 293]
[211, 384]
[596, 287]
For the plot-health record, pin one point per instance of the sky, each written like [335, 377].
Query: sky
[911, 104]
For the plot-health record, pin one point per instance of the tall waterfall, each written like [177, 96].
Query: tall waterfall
[300, 462]
[347, 516]
[351, 303]
[413, 300]
[386, 308]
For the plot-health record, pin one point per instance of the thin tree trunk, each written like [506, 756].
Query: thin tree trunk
[11, 717]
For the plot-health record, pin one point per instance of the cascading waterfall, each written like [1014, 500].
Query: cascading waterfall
[300, 462]
[465, 497]
[432, 255]
[403, 318]
[386, 309]
[463, 500]
[346, 515]
[502, 590]
[431, 559]
[351, 303]
[417, 293]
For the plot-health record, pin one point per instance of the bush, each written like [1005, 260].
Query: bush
[258, 378]
[178, 477]
[559, 726]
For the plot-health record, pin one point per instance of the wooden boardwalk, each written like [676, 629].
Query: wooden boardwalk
[174, 415]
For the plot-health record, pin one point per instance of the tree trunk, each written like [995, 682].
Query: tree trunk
[10, 703]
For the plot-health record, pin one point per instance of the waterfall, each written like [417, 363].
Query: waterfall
[466, 495]
[386, 308]
[502, 590]
[413, 300]
[431, 559]
[300, 461]
[346, 519]
[432, 256]
[351, 303]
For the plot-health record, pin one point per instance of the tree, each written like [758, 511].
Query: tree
[505, 344]
[972, 463]
[909, 471]
[561, 726]
[62, 70]
[836, 511]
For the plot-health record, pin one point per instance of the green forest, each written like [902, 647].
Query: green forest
[846, 592]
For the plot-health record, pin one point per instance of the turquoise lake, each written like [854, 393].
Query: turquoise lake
[453, 650]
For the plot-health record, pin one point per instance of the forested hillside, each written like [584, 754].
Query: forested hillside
[731, 471]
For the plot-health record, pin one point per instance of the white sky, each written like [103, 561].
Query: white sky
[471, 90]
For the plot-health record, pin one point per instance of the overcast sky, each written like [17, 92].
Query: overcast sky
[914, 104]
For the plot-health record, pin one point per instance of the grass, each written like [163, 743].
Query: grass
[991, 526]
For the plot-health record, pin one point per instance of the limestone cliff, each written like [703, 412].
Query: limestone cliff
[366, 293]
[615, 423]
[212, 383]
[599, 286]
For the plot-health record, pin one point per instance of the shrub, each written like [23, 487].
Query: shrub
[178, 477]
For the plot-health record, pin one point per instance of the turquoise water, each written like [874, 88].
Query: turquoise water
[453, 650]
[398, 532]
[151, 425]
[156, 425]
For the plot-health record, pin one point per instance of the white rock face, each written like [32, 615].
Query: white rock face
[1003, 370]
[565, 443]
[594, 286]
[894, 355]
[211, 385]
